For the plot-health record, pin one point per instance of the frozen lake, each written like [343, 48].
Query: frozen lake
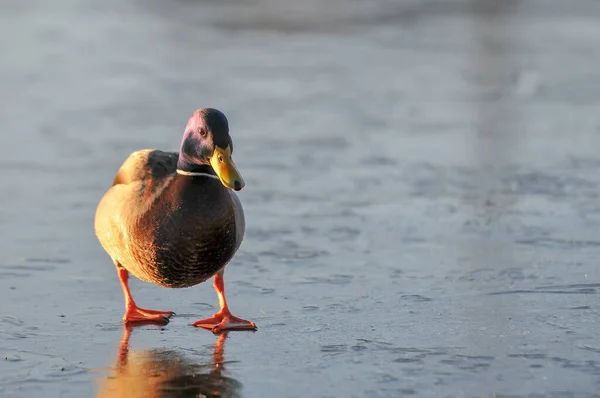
[422, 199]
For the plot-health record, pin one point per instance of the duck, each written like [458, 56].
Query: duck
[173, 218]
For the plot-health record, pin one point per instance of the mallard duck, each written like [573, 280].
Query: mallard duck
[172, 218]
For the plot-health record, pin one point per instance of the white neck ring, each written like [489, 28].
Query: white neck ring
[196, 174]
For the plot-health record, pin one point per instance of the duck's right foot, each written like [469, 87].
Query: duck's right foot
[140, 315]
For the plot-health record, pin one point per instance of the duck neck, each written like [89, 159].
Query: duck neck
[184, 164]
[187, 161]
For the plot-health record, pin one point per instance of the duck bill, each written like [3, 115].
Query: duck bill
[223, 165]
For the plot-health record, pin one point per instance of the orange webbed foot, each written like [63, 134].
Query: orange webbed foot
[140, 315]
[223, 320]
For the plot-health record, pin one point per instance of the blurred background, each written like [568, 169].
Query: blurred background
[421, 203]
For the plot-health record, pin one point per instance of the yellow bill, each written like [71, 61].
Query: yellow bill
[223, 165]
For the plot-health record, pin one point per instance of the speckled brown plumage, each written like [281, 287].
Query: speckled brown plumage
[169, 229]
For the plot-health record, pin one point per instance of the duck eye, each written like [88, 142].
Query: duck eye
[201, 131]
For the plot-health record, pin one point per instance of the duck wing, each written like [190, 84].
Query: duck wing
[138, 184]
[147, 164]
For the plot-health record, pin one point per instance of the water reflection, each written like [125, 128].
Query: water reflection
[167, 373]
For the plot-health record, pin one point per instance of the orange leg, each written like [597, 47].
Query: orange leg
[223, 320]
[133, 313]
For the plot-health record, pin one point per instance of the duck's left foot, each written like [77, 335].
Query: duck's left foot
[223, 320]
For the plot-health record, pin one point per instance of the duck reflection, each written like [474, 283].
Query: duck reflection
[166, 373]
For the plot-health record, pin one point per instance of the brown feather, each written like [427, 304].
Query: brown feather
[165, 228]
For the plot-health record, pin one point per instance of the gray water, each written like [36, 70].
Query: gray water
[422, 196]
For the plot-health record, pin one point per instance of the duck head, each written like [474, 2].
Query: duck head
[206, 142]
